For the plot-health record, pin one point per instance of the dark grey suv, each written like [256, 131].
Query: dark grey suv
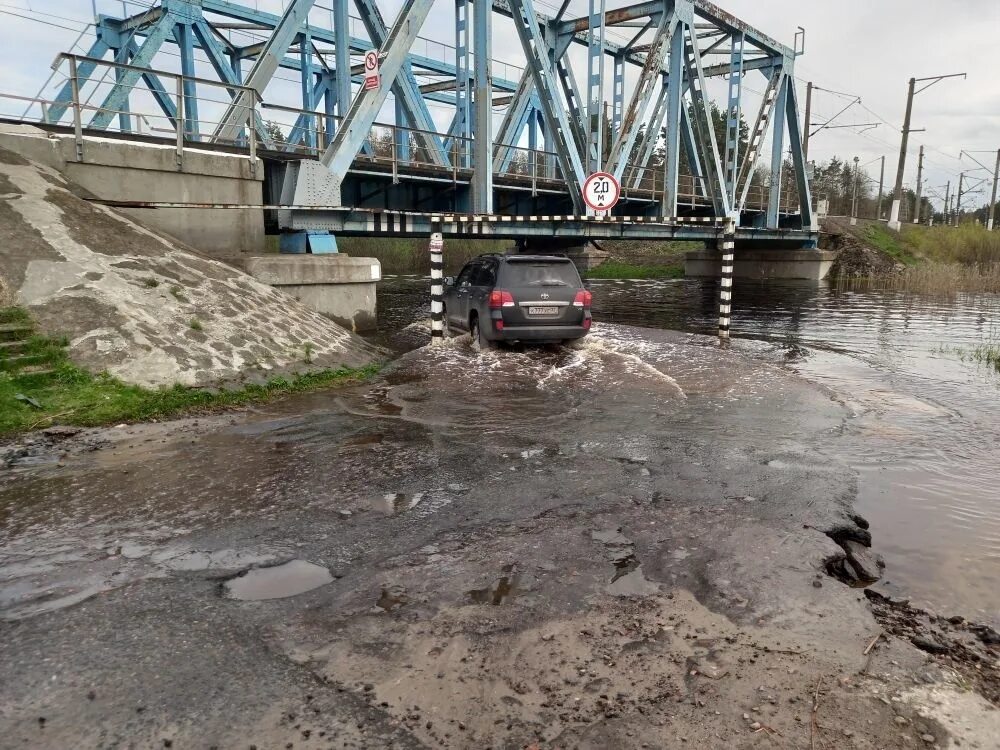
[525, 298]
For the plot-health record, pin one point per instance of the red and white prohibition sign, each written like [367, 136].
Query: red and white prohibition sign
[372, 78]
[601, 191]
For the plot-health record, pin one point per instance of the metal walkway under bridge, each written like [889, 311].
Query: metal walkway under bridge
[693, 111]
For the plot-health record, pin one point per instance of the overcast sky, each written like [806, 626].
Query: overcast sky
[866, 48]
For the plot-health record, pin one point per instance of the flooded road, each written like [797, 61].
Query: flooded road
[925, 432]
[621, 543]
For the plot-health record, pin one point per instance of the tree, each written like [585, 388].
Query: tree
[274, 131]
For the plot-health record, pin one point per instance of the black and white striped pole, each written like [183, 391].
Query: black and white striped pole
[726, 287]
[437, 288]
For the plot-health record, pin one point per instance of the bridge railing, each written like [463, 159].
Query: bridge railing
[393, 148]
[118, 98]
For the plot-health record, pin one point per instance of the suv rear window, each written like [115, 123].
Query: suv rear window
[540, 273]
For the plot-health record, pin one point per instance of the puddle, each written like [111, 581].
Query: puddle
[397, 502]
[363, 440]
[277, 582]
[506, 586]
[620, 552]
[197, 560]
[624, 563]
[611, 537]
[633, 583]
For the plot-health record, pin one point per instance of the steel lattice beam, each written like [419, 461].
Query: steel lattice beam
[749, 163]
[404, 84]
[366, 105]
[552, 105]
[238, 112]
[708, 147]
[632, 121]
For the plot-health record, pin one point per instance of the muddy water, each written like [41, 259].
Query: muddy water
[925, 428]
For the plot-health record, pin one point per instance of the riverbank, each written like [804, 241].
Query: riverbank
[930, 260]
[481, 550]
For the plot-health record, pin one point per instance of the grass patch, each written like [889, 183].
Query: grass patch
[178, 294]
[196, 325]
[10, 315]
[889, 243]
[612, 269]
[74, 396]
[151, 283]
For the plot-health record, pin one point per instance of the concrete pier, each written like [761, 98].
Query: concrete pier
[337, 286]
[803, 264]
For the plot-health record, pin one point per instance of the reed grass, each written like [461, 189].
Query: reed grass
[968, 244]
[987, 354]
[932, 278]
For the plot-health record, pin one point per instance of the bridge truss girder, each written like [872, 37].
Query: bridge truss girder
[678, 47]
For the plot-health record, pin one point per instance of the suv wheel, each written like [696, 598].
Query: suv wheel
[479, 342]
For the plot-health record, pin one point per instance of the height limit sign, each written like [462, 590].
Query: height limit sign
[372, 79]
[601, 191]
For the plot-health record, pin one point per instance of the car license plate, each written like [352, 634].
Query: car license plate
[543, 311]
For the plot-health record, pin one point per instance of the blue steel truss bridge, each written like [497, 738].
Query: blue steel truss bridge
[692, 110]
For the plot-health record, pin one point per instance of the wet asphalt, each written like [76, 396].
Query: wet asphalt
[362, 567]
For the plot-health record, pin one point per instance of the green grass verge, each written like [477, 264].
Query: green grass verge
[13, 315]
[74, 396]
[889, 243]
[71, 395]
[616, 270]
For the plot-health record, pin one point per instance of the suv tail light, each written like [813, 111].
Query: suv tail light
[583, 298]
[501, 298]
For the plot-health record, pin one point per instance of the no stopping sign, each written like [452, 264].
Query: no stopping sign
[601, 191]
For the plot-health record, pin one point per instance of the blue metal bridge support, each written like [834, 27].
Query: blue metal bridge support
[650, 124]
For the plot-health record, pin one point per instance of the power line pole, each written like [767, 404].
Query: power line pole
[947, 201]
[854, 200]
[897, 196]
[808, 126]
[993, 201]
[920, 182]
[897, 199]
[881, 185]
[958, 201]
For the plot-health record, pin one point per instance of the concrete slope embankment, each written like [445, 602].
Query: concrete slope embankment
[143, 306]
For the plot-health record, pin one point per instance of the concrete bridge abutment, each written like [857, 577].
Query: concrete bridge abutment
[114, 169]
[761, 264]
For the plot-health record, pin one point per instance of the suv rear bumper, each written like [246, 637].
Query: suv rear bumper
[546, 333]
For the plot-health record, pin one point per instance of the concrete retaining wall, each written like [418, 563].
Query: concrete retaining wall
[810, 265]
[338, 286]
[121, 170]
